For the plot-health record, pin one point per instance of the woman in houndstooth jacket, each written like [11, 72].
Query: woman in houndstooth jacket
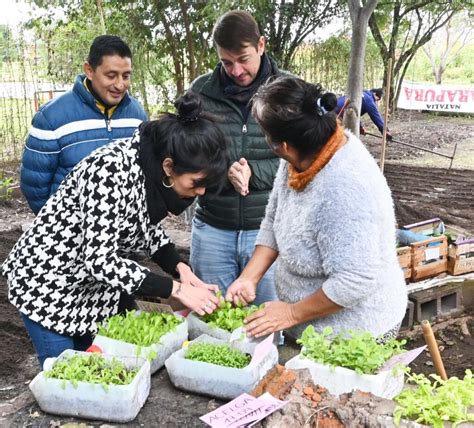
[72, 267]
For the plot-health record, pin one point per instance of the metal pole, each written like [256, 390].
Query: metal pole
[385, 119]
[454, 153]
[414, 146]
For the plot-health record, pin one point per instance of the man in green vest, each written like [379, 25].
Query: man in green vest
[225, 226]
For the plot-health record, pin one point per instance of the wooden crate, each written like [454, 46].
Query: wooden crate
[428, 261]
[404, 259]
[461, 258]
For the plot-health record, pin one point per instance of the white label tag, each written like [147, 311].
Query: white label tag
[432, 253]
[237, 334]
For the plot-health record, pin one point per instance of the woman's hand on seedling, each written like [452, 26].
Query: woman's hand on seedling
[241, 291]
[198, 299]
[187, 277]
[274, 316]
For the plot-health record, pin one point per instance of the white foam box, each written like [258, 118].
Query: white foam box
[168, 343]
[214, 380]
[119, 403]
[339, 380]
[197, 327]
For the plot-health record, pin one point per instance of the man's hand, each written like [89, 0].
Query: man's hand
[241, 290]
[362, 130]
[239, 175]
[187, 277]
[275, 316]
[389, 136]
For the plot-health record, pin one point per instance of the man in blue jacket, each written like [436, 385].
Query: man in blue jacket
[369, 106]
[96, 111]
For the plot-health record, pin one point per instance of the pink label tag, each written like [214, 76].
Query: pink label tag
[405, 359]
[261, 350]
[231, 412]
[269, 405]
[243, 411]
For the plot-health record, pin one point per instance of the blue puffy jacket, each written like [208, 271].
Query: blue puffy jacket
[368, 106]
[66, 130]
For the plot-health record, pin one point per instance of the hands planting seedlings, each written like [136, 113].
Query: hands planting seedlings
[91, 368]
[227, 316]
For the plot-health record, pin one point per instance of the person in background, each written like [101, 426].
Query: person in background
[72, 267]
[369, 106]
[225, 227]
[96, 111]
[329, 224]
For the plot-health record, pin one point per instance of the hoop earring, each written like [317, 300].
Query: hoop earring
[166, 182]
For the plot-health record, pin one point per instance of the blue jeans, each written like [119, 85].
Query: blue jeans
[218, 256]
[48, 344]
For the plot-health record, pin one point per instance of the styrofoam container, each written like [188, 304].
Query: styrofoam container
[120, 403]
[197, 327]
[169, 343]
[339, 380]
[214, 380]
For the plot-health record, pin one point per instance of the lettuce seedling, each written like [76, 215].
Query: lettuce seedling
[221, 355]
[92, 368]
[228, 317]
[143, 329]
[356, 350]
[434, 403]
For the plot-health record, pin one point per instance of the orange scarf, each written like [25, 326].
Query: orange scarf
[299, 180]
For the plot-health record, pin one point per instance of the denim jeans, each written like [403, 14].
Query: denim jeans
[218, 256]
[48, 344]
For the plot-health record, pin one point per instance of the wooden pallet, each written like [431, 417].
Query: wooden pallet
[404, 259]
[428, 261]
[461, 258]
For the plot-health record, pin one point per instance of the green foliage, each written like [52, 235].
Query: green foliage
[143, 329]
[5, 190]
[401, 28]
[9, 49]
[459, 70]
[434, 403]
[92, 368]
[358, 350]
[221, 355]
[286, 25]
[327, 62]
[229, 317]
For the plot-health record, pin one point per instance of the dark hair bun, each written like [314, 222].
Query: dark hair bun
[188, 107]
[329, 101]
[311, 94]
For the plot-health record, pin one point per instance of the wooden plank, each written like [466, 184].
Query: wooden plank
[429, 270]
[460, 249]
[459, 266]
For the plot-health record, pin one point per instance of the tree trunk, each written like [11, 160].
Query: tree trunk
[360, 19]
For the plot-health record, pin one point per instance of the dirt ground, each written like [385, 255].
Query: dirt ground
[422, 188]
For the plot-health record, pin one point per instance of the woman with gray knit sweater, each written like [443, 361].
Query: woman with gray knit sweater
[329, 224]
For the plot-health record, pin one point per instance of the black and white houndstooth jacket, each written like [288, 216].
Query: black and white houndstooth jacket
[68, 269]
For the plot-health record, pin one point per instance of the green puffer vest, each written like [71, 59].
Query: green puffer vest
[229, 210]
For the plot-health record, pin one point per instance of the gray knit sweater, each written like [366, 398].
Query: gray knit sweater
[338, 234]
